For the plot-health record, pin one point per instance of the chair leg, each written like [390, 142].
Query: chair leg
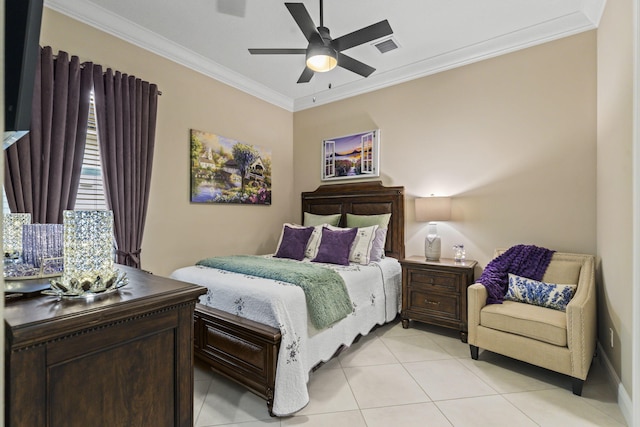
[576, 385]
[474, 351]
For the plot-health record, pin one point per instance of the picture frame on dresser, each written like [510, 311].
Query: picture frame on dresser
[351, 156]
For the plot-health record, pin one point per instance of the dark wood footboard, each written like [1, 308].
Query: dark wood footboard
[240, 349]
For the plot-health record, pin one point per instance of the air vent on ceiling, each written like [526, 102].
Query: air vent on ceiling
[386, 45]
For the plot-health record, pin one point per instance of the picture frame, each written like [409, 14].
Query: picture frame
[224, 170]
[354, 156]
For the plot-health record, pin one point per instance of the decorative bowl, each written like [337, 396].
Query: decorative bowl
[87, 288]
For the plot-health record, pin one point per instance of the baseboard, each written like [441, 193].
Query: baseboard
[624, 400]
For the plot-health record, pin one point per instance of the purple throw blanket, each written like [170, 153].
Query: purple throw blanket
[523, 260]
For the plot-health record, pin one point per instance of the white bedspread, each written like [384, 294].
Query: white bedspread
[375, 292]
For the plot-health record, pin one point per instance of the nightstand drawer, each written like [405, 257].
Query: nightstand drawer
[434, 279]
[438, 304]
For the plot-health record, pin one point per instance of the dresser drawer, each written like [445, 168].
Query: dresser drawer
[436, 304]
[434, 279]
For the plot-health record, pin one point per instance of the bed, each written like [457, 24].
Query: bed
[272, 353]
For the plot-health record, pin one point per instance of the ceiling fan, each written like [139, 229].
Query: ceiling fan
[323, 53]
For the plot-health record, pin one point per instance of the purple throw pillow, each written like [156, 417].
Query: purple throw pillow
[294, 242]
[335, 246]
[377, 249]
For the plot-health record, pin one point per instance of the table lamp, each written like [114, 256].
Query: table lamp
[433, 209]
[88, 256]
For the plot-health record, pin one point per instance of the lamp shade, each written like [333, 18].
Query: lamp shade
[321, 58]
[433, 209]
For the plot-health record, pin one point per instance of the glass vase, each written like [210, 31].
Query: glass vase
[459, 254]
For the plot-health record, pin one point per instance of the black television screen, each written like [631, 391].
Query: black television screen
[22, 21]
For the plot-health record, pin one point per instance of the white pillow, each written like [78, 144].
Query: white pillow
[362, 244]
[314, 241]
[377, 249]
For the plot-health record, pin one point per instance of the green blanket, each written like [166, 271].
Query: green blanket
[327, 297]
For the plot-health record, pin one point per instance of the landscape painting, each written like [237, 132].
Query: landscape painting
[224, 170]
[351, 156]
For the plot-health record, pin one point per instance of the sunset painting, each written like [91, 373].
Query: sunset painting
[351, 156]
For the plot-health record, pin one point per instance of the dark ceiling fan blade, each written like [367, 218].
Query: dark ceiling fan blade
[278, 51]
[302, 18]
[306, 75]
[363, 35]
[354, 65]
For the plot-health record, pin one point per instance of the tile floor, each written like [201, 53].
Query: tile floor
[421, 376]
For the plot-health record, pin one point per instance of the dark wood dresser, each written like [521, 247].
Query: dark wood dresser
[121, 359]
[436, 292]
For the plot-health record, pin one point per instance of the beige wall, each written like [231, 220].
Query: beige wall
[615, 184]
[178, 233]
[513, 139]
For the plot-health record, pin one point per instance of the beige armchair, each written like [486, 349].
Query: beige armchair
[563, 342]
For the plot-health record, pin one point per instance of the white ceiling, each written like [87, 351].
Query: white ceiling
[212, 37]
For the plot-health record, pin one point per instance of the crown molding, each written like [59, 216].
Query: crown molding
[121, 28]
[586, 19]
[555, 29]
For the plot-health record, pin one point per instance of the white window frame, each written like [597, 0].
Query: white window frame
[366, 150]
[329, 158]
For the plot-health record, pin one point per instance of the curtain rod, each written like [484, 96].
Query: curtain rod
[82, 66]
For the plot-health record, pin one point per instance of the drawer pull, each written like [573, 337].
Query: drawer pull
[432, 302]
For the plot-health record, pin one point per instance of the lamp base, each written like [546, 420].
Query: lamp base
[432, 246]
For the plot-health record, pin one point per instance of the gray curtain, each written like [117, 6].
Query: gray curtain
[126, 110]
[42, 170]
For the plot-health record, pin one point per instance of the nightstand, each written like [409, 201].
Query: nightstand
[435, 292]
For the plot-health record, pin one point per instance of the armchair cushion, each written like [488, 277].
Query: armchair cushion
[562, 271]
[530, 321]
[529, 291]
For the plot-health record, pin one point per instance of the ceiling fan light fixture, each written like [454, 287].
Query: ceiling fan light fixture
[321, 58]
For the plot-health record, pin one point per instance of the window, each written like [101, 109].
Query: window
[330, 158]
[91, 189]
[366, 149]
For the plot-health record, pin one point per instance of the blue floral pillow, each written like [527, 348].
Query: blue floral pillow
[531, 291]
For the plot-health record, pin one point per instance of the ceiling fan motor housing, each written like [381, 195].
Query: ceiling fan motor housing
[324, 35]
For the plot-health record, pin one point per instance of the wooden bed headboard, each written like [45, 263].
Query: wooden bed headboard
[364, 198]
